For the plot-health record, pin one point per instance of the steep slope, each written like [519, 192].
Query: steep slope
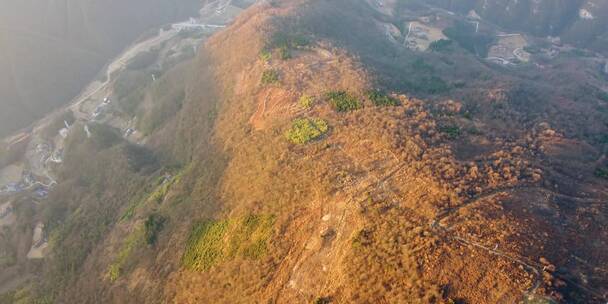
[51, 49]
[312, 160]
[354, 210]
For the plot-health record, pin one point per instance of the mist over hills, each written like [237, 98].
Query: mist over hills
[50, 49]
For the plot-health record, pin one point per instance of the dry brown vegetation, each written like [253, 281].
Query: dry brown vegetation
[417, 202]
[343, 204]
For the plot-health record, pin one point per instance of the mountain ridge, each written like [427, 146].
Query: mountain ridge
[308, 156]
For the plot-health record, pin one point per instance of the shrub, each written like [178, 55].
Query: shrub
[420, 66]
[602, 96]
[159, 194]
[452, 132]
[284, 53]
[131, 243]
[285, 42]
[306, 101]
[204, 247]
[214, 241]
[250, 236]
[153, 225]
[322, 300]
[464, 34]
[270, 77]
[601, 173]
[288, 40]
[577, 53]
[602, 139]
[167, 101]
[360, 239]
[459, 84]
[140, 158]
[104, 136]
[381, 99]
[304, 130]
[532, 49]
[435, 85]
[265, 55]
[342, 101]
[113, 272]
[155, 195]
[130, 212]
[440, 45]
[299, 41]
[427, 85]
[129, 90]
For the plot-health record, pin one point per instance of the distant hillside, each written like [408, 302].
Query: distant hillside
[581, 22]
[303, 156]
[50, 49]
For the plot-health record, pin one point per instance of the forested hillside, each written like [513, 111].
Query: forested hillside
[581, 22]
